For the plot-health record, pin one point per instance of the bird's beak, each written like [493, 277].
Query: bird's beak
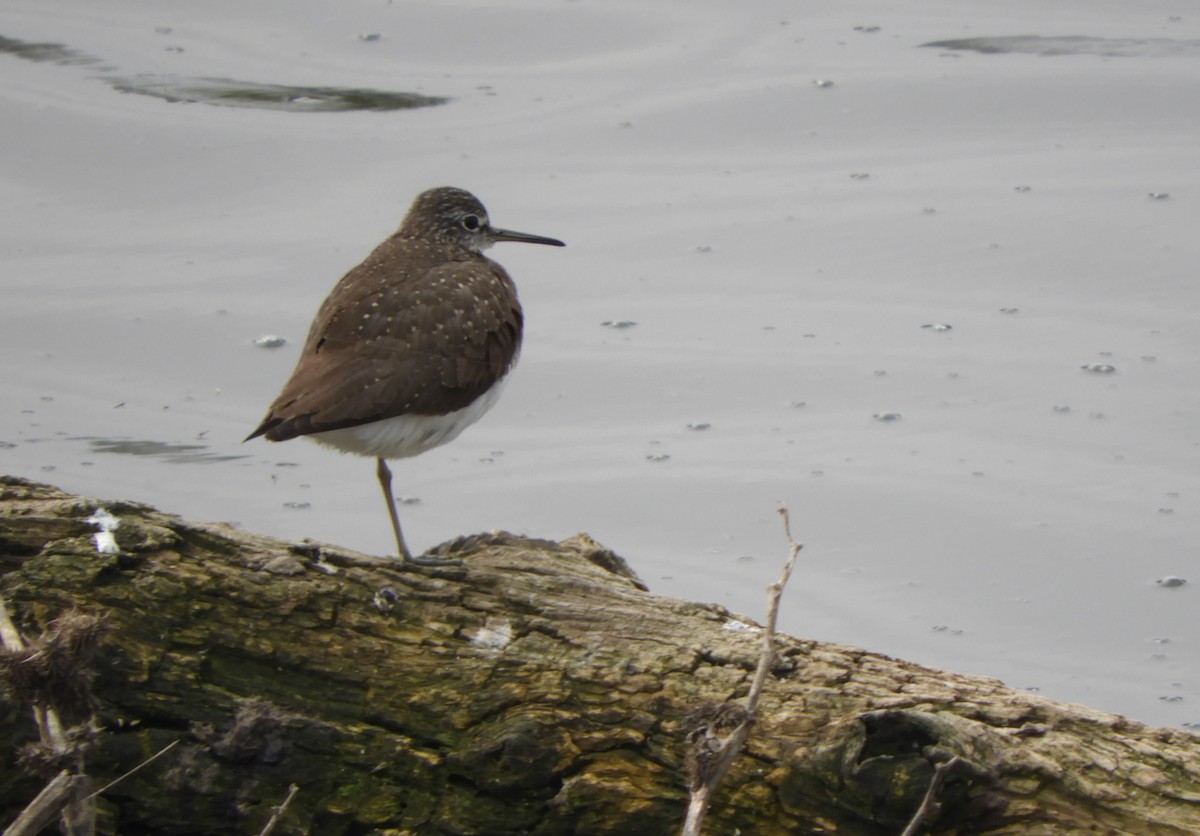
[494, 234]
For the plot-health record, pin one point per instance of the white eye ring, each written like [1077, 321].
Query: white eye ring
[471, 223]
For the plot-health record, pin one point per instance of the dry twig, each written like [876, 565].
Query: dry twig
[144, 763]
[36, 672]
[929, 804]
[720, 731]
[278, 812]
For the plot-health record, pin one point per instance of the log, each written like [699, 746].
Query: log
[540, 689]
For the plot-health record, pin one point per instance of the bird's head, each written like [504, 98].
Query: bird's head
[457, 217]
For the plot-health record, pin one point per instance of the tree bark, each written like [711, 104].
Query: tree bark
[539, 690]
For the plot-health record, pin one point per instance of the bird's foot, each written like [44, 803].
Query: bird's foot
[450, 567]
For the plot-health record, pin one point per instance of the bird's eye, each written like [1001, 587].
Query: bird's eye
[471, 222]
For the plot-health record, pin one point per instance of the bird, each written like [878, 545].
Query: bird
[411, 347]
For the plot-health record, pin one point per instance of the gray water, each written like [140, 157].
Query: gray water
[927, 276]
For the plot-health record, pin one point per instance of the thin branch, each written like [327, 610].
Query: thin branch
[63, 796]
[774, 594]
[701, 795]
[279, 811]
[929, 802]
[45, 808]
[144, 763]
[49, 725]
[9, 634]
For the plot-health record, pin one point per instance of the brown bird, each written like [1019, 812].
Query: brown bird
[412, 346]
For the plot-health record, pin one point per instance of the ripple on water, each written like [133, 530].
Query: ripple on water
[1074, 45]
[225, 91]
[168, 452]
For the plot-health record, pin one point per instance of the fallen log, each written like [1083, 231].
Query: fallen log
[541, 689]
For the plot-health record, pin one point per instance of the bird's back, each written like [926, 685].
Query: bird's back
[418, 328]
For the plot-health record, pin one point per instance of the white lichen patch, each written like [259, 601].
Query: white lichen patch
[494, 635]
[106, 542]
[740, 627]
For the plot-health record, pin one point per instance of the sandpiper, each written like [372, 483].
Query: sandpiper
[412, 346]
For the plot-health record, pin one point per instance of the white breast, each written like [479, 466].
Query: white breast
[408, 435]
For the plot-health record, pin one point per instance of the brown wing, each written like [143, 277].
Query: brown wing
[427, 342]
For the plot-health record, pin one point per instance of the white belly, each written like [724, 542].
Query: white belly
[408, 435]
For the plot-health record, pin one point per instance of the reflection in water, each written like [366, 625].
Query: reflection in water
[1075, 45]
[57, 53]
[225, 91]
[173, 453]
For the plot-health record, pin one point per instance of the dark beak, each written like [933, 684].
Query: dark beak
[523, 237]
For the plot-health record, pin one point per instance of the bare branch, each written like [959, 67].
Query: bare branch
[279, 811]
[144, 763]
[45, 808]
[713, 752]
[10, 636]
[929, 803]
[45, 672]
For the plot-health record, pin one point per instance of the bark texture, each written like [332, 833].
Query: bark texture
[540, 690]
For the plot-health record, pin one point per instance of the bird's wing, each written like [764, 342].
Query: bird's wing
[368, 357]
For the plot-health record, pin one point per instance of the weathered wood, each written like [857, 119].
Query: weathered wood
[543, 692]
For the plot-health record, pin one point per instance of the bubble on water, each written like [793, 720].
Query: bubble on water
[1166, 510]
[1062, 408]
[938, 326]
[1148, 358]
[297, 506]
[929, 210]
[408, 500]
[886, 416]
[1160, 640]
[699, 425]
[1159, 195]
[866, 29]
[798, 404]
[369, 37]
[1099, 368]
[618, 323]
[1096, 416]
[822, 82]
[1171, 698]
[1171, 581]
[880, 372]
[657, 457]
[860, 175]
[270, 341]
[1010, 310]
[1022, 189]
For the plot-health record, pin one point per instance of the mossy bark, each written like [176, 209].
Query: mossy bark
[541, 690]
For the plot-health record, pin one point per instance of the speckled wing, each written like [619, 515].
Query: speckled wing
[370, 356]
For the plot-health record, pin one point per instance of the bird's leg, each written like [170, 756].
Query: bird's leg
[385, 482]
[406, 557]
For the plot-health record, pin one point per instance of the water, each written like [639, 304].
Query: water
[778, 244]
